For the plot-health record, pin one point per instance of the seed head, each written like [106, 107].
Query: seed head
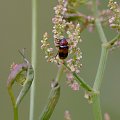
[63, 29]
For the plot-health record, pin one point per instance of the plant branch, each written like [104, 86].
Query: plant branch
[83, 18]
[98, 24]
[59, 74]
[102, 64]
[52, 101]
[114, 40]
[101, 69]
[80, 80]
[78, 15]
[53, 96]
[34, 57]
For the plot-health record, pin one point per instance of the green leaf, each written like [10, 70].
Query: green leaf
[52, 101]
[27, 85]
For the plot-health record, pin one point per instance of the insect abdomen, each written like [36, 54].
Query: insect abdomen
[63, 52]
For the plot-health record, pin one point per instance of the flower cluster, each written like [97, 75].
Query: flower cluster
[71, 82]
[58, 21]
[73, 33]
[68, 30]
[114, 20]
[46, 48]
[63, 29]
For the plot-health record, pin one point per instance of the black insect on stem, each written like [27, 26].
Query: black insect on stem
[63, 48]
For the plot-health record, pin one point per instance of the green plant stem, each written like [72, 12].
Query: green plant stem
[15, 109]
[34, 57]
[114, 40]
[96, 107]
[98, 23]
[101, 69]
[52, 101]
[53, 97]
[59, 73]
[97, 83]
[99, 76]
[15, 113]
[80, 80]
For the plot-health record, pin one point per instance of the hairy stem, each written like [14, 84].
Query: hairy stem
[34, 56]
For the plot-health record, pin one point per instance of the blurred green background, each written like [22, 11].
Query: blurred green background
[15, 33]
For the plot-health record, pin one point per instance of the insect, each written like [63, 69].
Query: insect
[63, 48]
